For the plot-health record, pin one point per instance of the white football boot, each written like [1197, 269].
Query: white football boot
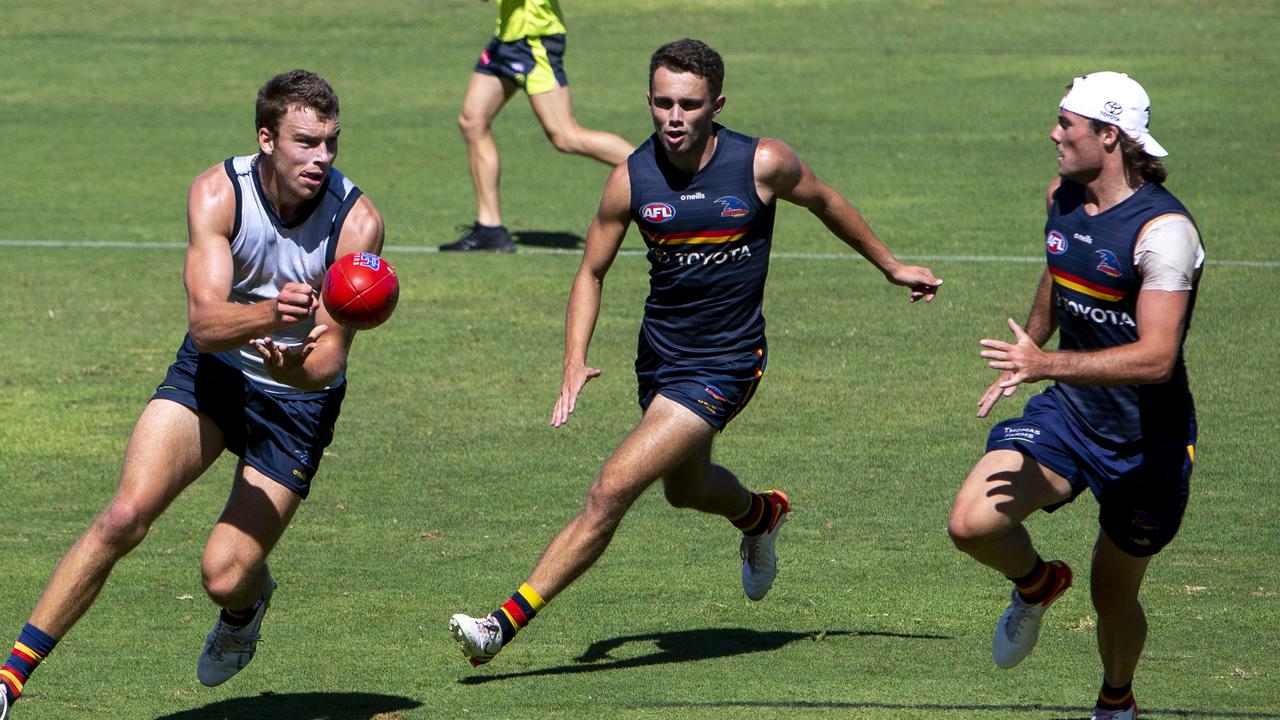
[1129, 713]
[480, 638]
[1019, 627]
[228, 650]
[759, 556]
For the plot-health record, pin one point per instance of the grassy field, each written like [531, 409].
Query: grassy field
[445, 482]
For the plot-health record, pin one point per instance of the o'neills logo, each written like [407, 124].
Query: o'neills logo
[657, 212]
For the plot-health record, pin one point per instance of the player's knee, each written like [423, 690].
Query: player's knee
[606, 504]
[966, 534]
[225, 583]
[471, 126]
[1110, 603]
[603, 507]
[682, 495]
[566, 141]
[121, 527]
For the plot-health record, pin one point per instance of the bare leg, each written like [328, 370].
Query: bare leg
[486, 94]
[665, 437]
[986, 519]
[256, 515]
[170, 447]
[555, 111]
[1122, 624]
[699, 484]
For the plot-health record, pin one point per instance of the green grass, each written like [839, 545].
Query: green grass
[444, 482]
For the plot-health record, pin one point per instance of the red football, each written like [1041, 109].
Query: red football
[360, 290]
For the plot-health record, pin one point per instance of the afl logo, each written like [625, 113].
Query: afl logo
[657, 212]
[1056, 243]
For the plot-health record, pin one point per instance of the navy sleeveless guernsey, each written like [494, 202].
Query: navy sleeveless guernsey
[708, 237]
[1095, 281]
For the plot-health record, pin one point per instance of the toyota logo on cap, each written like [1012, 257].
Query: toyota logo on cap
[1114, 107]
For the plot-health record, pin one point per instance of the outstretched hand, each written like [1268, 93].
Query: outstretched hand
[995, 392]
[574, 380]
[920, 279]
[1022, 360]
[282, 361]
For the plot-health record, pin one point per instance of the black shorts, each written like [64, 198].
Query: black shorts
[716, 390]
[536, 64]
[1141, 489]
[282, 436]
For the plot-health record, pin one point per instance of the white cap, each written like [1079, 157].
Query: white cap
[1114, 98]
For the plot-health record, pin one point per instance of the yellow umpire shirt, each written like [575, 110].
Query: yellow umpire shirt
[528, 18]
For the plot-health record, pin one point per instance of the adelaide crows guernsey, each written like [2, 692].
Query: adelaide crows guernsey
[1096, 284]
[267, 254]
[708, 237]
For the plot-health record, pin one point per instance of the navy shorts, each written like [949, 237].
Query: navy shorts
[536, 64]
[281, 436]
[1141, 489]
[716, 390]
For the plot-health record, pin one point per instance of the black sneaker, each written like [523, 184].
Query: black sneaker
[476, 238]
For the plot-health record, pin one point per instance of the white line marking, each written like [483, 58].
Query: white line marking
[527, 250]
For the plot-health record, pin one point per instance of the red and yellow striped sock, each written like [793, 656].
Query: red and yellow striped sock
[518, 611]
[763, 513]
[753, 517]
[1115, 698]
[1035, 585]
[33, 646]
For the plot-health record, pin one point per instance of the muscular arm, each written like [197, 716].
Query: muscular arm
[780, 173]
[1161, 315]
[1042, 322]
[1160, 318]
[604, 237]
[215, 322]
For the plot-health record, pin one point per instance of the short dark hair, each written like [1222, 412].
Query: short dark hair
[295, 88]
[1136, 160]
[691, 56]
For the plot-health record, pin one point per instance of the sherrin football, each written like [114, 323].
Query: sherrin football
[360, 290]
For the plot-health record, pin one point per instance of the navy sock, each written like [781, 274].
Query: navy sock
[1115, 698]
[33, 646]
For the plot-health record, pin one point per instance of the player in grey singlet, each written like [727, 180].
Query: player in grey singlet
[260, 374]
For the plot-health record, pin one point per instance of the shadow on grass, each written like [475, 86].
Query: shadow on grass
[299, 706]
[562, 240]
[1072, 713]
[687, 646]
